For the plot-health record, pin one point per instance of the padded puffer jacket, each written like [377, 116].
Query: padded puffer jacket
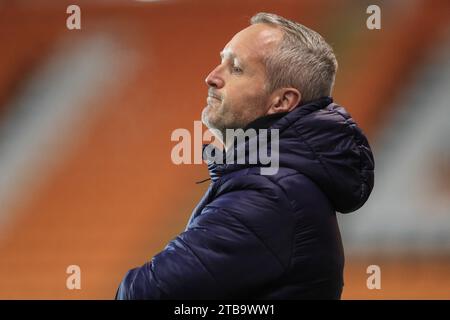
[255, 236]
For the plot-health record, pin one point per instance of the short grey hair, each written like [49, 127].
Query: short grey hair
[303, 59]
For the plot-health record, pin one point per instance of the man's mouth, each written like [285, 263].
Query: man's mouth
[212, 99]
[212, 94]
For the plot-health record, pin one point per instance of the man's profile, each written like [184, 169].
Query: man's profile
[274, 236]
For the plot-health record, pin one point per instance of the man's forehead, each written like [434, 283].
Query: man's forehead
[253, 41]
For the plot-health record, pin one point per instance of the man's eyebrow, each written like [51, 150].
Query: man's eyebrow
[229, 54]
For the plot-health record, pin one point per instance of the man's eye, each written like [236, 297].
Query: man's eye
[236, 69]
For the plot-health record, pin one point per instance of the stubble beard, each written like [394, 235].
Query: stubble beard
[228, 120]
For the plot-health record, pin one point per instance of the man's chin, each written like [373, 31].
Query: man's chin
[206, 117]
[211, 124]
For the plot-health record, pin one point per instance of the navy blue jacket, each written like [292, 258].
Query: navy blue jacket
[276, 236]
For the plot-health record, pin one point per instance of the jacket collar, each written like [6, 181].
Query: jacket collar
[276, 121]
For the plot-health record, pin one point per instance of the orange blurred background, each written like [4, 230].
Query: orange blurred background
[86, 117]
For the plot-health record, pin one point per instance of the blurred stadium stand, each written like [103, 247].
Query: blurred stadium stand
[86, 117]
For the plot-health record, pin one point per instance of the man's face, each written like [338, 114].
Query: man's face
[237, 86]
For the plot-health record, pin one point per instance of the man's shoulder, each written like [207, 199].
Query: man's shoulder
[252, 179]
[249, 189]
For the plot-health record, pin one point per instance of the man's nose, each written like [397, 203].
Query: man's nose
[214, 79]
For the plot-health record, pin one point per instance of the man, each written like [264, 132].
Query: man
[269, 236]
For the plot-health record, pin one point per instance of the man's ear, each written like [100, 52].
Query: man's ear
[283, 100]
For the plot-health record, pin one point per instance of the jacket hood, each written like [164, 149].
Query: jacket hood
[320, 140]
